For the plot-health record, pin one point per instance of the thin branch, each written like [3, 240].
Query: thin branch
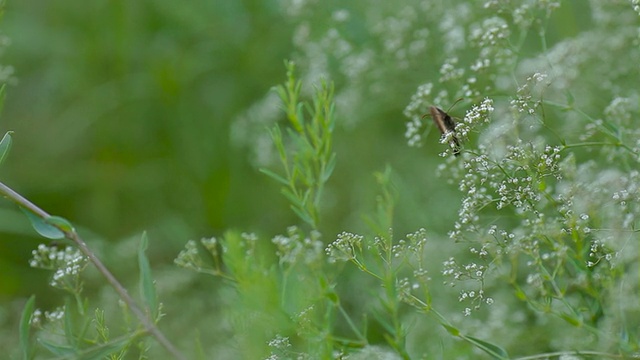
[124, 295]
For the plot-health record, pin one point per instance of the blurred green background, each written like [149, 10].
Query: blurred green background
[121, 113]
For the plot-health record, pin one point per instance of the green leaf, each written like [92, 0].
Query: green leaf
[5, 145]
[303, 215]
[333, 297]
[68, 324]
[56, 349]
[295, 201]
[43, 228]
[96, 352]
[276, 136]
[199, 351]
[329, 169]
[494, 350]
[60, 223]
[451, 329]
[299, 125]
[572, 319]
[274, 176]
[381, 316]
[25, 326]
[3, 88]
[147, 287]
[332, 119]
[99, 352]
[542, 186]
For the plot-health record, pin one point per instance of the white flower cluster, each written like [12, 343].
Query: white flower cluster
[67, 264]
[296, 247]
[50, 316]
[417, 107]
[524, 102]
[189, 258]
[345, 247]
[477, 115]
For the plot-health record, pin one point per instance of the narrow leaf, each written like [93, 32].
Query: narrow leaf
[572, 319]
[68, 324]
[299, 125]
[295, 201]
[276, 137]
[199, 351]
[3, 88]
[332, 122]
[302, 214]
[494, 350]
[25, 326]
[329, 169]
[451, 329]
[57, 349]
[99, 352]
[5, 145]
[381, 317]
[147, 287]
[274, 176]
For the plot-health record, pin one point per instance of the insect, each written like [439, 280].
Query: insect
[446, 125]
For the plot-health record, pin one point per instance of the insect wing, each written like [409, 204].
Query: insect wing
[440, 119]
[446, 125]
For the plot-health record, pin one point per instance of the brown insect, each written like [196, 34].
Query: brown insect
[446, 125]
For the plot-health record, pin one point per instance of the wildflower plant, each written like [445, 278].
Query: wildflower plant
[308, 170]
[534, 213]
[72, 331]
[538, 202]
[291, 294]
[67, 264]
[538, 215]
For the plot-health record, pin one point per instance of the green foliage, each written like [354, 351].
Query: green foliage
[67, 333]
[27, 313]
[147, 286]
[52, 227]
[5, 146]
[308, 303]
[294, 298]
[307, 157]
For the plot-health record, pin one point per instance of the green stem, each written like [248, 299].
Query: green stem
[353, 326]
